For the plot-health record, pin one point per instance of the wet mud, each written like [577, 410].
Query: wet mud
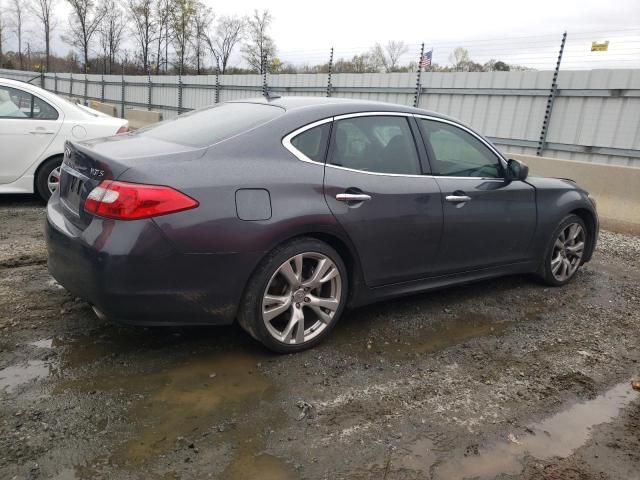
[501, 379]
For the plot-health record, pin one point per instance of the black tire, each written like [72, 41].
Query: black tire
[545, 272]
[42, 177]
[250, 315]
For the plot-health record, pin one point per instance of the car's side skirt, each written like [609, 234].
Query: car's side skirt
[367, 295]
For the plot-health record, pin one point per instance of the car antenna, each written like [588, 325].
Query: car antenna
[271, 96]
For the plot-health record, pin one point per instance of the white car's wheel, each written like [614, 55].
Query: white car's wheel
[48, 178]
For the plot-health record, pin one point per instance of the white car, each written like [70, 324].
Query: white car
[34, 124]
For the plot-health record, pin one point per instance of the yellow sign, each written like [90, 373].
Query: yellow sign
[600, 47]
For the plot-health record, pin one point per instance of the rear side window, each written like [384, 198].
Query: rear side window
[313, 142]
[205, 127]
[382, 144]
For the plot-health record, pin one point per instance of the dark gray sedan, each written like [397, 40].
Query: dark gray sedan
[282, 212]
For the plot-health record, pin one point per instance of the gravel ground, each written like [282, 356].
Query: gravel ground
[501, 379]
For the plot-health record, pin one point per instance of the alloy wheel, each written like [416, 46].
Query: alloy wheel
[53, 181]
[301, 298]
[567, 252]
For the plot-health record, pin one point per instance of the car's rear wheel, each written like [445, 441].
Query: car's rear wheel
[48, 178]
[296, 296]
[565, 252]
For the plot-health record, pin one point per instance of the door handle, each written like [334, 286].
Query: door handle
[41, 132]
[353, 197]
[457, 198]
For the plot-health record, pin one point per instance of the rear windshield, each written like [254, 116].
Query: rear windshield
[207, 126]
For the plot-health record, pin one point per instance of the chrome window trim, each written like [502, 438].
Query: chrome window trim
[338, 167]
[372, 114]
[501, 159]
[286, 143]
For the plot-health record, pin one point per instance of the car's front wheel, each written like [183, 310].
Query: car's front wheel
[296, 296]
[48, 178]
[565, 252]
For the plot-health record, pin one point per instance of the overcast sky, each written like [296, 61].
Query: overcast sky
[520, 32]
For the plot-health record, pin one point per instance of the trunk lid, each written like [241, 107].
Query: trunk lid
[87, 164]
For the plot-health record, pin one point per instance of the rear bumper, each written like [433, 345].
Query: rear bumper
[131, 273]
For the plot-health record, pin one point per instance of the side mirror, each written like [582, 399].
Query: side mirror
[516, 170]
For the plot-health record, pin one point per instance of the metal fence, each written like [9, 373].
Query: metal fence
[588, 115]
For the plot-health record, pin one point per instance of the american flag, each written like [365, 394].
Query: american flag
[425, 61]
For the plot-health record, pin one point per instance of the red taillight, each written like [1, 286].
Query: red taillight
[132, 201]
[123, 129]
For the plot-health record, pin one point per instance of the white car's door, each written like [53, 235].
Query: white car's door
[28, 125]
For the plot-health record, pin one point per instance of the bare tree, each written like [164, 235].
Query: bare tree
[161, 15]
[2, 34]
[259, 44]
[84, 21]
[201, 24]
[43, 11]
[144, 28]
[459, 58]
[229, 32]
[16, 19]
[110, 34]
[181, 16]
[388, 56]
[395, 49]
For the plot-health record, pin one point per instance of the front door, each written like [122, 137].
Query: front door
[375, 188]
[487, 220]
[27, 126]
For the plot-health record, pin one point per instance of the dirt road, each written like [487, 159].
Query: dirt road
[501, 379]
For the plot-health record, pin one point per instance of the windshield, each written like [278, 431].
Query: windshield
[207, 126]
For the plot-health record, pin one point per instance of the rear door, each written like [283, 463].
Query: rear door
[28, 125]
[375, 187]
[487, 221]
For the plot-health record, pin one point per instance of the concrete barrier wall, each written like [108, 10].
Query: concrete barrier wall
[103, 107]
[141, 118]
[615, 188]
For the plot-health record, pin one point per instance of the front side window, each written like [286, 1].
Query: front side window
[458, 153]
[381, 144]
[313, 142]
[16, 103]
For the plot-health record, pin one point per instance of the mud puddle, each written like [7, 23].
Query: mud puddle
[202, 403]
[363, 337]
[14, 376]
[557, 436]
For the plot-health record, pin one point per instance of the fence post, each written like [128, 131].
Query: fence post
[179, 94]
[149, 90]
[71, 85]
[329, 86]
[416, 98]
[102, 88]
[550, 99]
[122, 92]
[42, 79]
[55, 83]
[217, 80]
[264, 76]
[86, 81]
